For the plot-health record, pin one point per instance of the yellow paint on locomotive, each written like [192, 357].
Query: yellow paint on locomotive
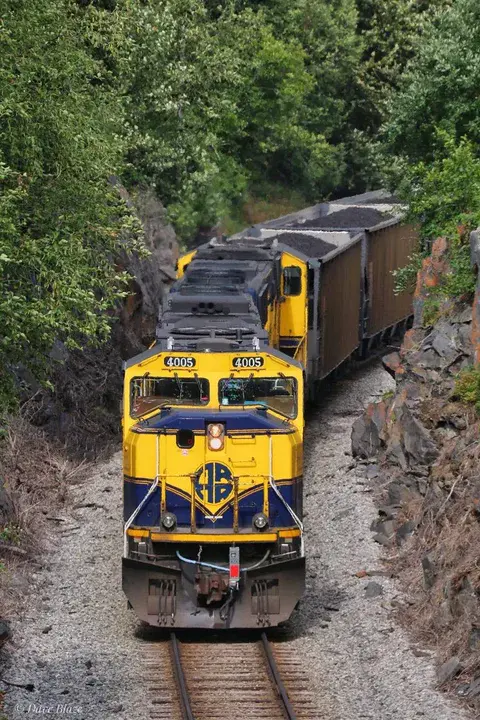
[183, 261]
[252, 456]
[293, 318]
[201, 537]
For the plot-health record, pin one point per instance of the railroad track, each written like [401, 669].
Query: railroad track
[226, 680]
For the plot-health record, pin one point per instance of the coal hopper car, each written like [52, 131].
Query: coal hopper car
[214, 410]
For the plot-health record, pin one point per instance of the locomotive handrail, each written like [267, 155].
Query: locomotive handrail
[139, 507]
[132, 517]
[235, 504]
[297, 351]
[193, 518]
[295, 517]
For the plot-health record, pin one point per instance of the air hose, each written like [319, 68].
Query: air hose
[220, 568]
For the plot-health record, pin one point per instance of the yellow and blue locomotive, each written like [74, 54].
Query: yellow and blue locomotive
[213, 415]
[213, 446]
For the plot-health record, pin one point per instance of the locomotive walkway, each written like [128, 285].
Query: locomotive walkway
[235, 680]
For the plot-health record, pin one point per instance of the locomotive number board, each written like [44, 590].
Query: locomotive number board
[177, 361]
[247, 362]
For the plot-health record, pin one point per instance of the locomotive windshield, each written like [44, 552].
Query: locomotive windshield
[150, 393]
[277, 393]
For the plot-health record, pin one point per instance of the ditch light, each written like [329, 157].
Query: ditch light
[216, 436]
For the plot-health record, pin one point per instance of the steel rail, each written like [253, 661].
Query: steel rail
[180, 678]
[279, 686]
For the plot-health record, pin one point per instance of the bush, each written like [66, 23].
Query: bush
[61, 224]
[467, 387]
[444, 201]
[406, 277]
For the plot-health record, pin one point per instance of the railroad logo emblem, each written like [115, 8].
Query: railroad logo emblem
[214, 484]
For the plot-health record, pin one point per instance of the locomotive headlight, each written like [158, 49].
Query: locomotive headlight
[260, 521]
[169, 520]
[215, 430]
[216, 436]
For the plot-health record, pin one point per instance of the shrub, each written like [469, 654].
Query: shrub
[444, 201]
[467, 387]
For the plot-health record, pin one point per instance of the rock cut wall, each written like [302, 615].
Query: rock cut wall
[425, 444]
[83, 411]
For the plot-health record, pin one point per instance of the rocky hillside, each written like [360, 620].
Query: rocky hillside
[83, 410]
[420, 445]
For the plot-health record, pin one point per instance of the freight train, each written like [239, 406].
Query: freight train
[214, 411]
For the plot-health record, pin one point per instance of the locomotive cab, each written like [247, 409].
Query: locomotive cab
[213, 447]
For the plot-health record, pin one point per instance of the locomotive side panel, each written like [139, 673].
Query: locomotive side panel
[388, 249]
[340, 297]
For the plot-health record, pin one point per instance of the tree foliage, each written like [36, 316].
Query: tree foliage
[433, 134]
[60, 222]
[390, 32]
[226, 95]
[440, 87]
[444, 200]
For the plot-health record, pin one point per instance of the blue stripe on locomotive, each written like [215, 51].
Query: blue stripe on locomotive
[248, 420]
[248, 506]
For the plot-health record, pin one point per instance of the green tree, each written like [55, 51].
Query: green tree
[389, 32]
[61, 224]
[440, 87]
[444, 201]
[225, 95]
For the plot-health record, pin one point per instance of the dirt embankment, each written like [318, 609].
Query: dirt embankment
[420, 445]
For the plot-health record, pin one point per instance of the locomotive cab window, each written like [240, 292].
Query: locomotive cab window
[274, 393]
[292, 280]
[151, 393]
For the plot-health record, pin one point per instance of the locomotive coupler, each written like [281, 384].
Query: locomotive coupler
[211, 586]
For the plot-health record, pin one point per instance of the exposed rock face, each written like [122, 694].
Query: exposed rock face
[449, 670]
[475, 257]
[425, 368]
[369, 431]
[429, 276]
[6, 505]
[84, 410]
[4, 632]
[151, 275]
[425, 444]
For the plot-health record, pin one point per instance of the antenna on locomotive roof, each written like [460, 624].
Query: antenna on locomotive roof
[256, 343]
[170, 342]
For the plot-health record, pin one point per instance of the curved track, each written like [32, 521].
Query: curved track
[226, 680]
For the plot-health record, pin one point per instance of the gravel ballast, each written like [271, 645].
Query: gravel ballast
[76, 643]
[76, 647]
[361, 659]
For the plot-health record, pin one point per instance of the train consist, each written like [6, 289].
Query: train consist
[213, 411]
